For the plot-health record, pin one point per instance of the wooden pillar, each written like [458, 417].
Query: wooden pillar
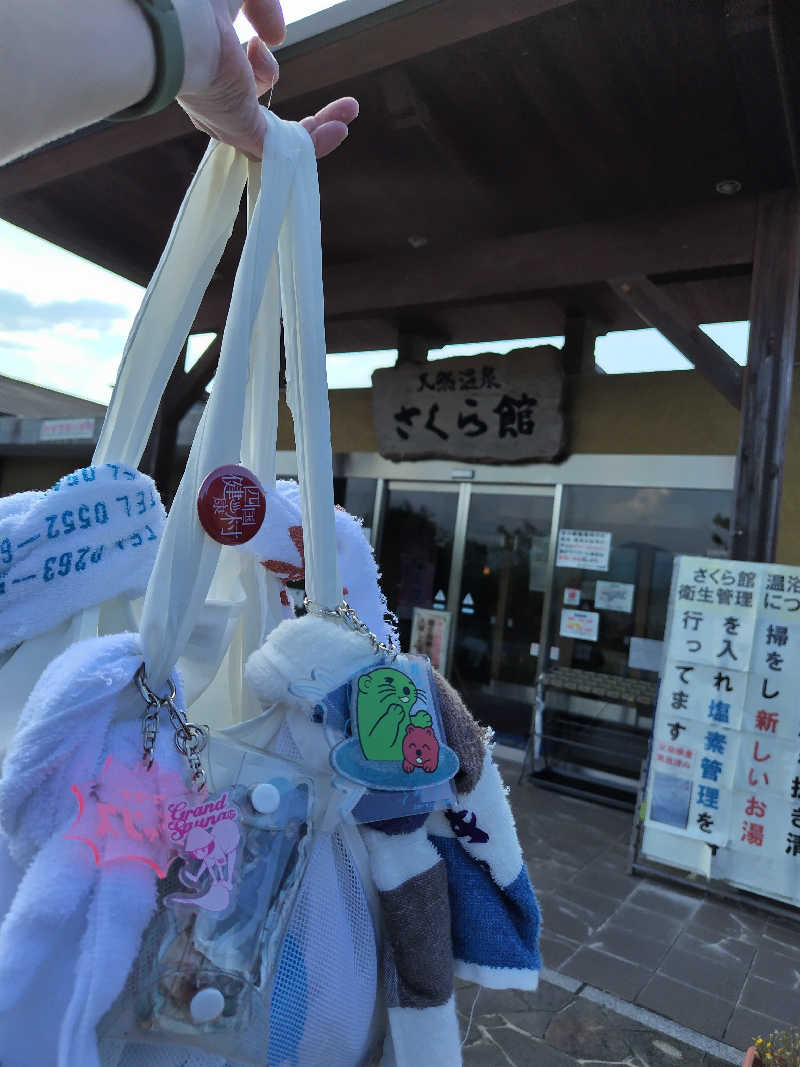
[415, 341]
[580, 335]
[767, 389]
[412, 348]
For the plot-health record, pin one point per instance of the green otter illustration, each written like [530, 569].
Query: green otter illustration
[383, 709]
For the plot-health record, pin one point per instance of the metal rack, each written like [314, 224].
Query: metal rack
[614, 748]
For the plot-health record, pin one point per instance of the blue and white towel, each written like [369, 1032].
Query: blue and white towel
[90, 538]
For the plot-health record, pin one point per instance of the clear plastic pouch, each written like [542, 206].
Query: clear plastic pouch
[203, 974]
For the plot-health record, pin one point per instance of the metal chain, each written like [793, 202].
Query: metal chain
[351, 619]
[190, 739]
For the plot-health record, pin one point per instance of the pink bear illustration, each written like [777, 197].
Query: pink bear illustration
[420, 749]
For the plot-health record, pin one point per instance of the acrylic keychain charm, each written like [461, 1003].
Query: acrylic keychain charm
[398, 741]
[396, 750]
[229, 861]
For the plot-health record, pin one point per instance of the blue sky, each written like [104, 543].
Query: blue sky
[63, 321]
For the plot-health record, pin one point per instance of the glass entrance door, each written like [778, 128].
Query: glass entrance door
[416, 548]
[500, 603]
[480, 554]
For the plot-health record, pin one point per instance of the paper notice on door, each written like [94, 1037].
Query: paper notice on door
[582, 625]
[614, 596]
[586, 549]
[645, 655]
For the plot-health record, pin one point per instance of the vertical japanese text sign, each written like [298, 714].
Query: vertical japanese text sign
[726, 738]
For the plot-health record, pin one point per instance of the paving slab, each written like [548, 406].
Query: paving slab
[725, 970]
[616, 939]
[656, 1050]
[745, 1026]
[615, 975]
[785, 934]
[664, 901]
[777, 967]
[607, 882]
[649, 924]
[714, 919]
[721, 976]
[688, 1006]
[556, 950]
[595, 904]
[583, 1030]
[566, 919]
[771, 998]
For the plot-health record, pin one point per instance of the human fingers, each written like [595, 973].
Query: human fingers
[264, 64]
[266, 18]
[327, 137]
[344, 110]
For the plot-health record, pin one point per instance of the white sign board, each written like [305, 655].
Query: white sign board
[585, 549]
[614, 596]
[66, 430]
[579, 624]
[572, 597]
[724, 764]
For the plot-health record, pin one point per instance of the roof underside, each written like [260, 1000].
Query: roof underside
[510, 158]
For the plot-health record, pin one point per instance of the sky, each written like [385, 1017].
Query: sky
[63, 320]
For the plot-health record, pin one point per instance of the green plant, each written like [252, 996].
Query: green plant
[779, 1049]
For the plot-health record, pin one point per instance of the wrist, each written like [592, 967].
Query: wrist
[201, 43]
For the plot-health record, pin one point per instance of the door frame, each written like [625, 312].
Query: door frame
[465, 491]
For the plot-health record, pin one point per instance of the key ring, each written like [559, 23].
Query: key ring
[190, 739]
[351, 619]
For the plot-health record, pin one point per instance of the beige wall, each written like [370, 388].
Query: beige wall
[661, 414]
[671, 413]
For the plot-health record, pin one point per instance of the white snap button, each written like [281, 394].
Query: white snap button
[207, 1005]
[265, 798]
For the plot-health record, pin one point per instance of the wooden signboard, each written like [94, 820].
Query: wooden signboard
[480, 409]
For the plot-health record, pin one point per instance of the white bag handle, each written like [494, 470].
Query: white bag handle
[169, 307]
[288, 206]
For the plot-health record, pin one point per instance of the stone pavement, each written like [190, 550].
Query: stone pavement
[555, 1027]
[636, 972]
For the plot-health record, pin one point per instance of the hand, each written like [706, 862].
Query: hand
[223, 83]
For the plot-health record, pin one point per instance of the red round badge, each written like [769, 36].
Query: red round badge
[231, 505]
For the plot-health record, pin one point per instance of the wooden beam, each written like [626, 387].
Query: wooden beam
[92, 147]
[768, 379]
[408, 104]
[760, 40]
[580, 335]
[714, 235]
[394, 34]
[785, 29]
[659, 310]
[188, 388]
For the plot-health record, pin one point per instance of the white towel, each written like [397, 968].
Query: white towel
[279, 546]
[90, 538]
[70, 935]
